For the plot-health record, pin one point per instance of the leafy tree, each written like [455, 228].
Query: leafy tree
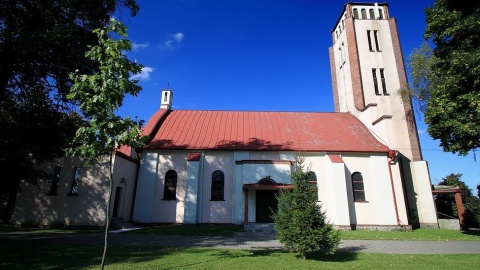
[99, 95]
[300, 222]
[449, 78]
[472, 212]
[41, 43]
[420, 61]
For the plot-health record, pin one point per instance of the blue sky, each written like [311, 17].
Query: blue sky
[267, 55]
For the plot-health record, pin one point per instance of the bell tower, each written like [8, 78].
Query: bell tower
[367, 70]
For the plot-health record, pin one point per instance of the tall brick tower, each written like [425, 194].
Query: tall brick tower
[367, 69]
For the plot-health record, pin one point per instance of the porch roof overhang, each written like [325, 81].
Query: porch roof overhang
[268, 186]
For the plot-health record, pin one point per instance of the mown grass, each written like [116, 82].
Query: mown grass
[415, 235]
[37, 255]
[230, 230]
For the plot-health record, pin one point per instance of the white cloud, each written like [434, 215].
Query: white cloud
[139, 46]
[422, 131]
[173, 41]
[179, 36]
[143, 75]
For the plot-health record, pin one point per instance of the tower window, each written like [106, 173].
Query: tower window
[375, 83]
[218, 186]
[369, 41]
[375, 34]
[342, 54]
[170, 188]
[384, 86]
[372, 14]
[355, 13]
[364, 14]
[358, 189]
[380, 13]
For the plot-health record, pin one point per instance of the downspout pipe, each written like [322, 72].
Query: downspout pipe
[392, 154]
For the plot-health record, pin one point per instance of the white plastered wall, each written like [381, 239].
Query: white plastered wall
[87, 208]
[217, 211]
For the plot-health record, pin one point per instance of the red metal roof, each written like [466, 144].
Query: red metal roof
[250, 130]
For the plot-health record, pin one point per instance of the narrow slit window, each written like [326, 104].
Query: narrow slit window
[375, 34]
[77, 175]
[375, 82]
[380, 14]
[358, 187]
[372, 14]
[369, 41]
[384, 85]
[342, 54]
[55, 181]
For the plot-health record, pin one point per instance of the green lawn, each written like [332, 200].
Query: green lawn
[230, 230]
[35, 255]
[415, 235]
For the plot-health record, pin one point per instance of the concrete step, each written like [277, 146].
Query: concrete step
[118, 223]
[259, 228]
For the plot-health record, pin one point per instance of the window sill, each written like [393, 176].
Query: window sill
[222, 200]
[361, 201]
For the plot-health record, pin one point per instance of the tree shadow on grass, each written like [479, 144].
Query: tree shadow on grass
[41, 255]
[472, 232]
[343, 255]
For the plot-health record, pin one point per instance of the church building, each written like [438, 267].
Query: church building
[205, 166]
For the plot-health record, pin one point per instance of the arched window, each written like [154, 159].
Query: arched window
[218, 186]
[312, 177]
[170, 189]
[380, 13]
[364, 14]
[355, 13]
[358, 191]
[372, 14]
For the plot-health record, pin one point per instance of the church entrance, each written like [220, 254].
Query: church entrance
[266, 204]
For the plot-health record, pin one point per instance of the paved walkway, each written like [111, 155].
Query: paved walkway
[247, 241]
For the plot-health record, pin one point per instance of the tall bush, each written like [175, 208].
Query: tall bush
[300, 221]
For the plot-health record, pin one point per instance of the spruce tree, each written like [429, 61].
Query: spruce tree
[300, 221]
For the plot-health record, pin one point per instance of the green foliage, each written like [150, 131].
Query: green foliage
[41, 43]
[420, 61]
[99, 95]
[472, 212]
[300, 221]
[454, 100]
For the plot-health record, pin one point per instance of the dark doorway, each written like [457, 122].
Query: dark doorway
[118, 195]
[266, 202]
